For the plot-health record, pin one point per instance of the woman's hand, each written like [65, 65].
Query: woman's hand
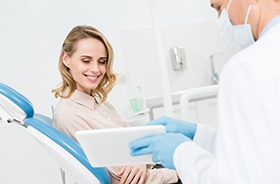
[135, 174]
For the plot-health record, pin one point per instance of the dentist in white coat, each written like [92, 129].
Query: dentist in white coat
[246, 147]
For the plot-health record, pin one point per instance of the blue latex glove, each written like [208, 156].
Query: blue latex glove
[162, 146]
[176, 126]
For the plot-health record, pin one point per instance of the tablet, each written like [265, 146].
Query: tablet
[110, 147]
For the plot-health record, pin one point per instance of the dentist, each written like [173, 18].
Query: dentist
[246, 146]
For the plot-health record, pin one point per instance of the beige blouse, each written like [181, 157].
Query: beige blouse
[82, 112]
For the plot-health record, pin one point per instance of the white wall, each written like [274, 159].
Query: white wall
[32, 32]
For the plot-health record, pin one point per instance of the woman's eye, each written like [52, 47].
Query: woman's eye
[86, 61]
[103, 62]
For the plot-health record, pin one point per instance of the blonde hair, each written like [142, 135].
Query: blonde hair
[68, 85]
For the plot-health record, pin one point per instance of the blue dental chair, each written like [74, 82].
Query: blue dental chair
[66, 151]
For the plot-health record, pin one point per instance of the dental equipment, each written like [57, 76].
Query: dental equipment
[66, 151]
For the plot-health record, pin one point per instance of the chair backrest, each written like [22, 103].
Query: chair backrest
[45, 119]
[67, 152]
[64, 149]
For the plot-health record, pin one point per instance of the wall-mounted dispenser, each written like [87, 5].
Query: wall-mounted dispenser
[178, 58]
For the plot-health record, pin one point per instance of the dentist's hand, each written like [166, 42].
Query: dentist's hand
[176, 126]
[162, 146]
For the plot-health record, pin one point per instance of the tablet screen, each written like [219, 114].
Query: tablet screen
[110, 147]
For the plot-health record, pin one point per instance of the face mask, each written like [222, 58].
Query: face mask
[241, 35]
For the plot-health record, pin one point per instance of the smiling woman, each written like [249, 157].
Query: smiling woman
[85, 65]
[86, 61]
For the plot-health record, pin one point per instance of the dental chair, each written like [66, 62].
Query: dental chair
[200, 105]
[65, 150]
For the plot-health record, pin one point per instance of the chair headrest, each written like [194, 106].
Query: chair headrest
[18, 99]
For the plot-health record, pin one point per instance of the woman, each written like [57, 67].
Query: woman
[85, 65]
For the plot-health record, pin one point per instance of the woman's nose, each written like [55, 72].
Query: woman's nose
[94, 66]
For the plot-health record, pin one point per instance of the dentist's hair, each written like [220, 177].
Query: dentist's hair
[68, 85]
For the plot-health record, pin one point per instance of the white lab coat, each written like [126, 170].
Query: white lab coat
[247, 147]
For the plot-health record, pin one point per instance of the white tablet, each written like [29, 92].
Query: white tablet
[110, 147]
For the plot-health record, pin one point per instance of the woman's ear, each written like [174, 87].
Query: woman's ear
[65, 59]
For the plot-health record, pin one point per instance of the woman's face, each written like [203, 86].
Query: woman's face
[88, 63]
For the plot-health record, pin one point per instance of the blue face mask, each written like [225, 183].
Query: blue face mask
[240, 35]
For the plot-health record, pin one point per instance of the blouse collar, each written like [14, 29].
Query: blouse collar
[84, 99]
